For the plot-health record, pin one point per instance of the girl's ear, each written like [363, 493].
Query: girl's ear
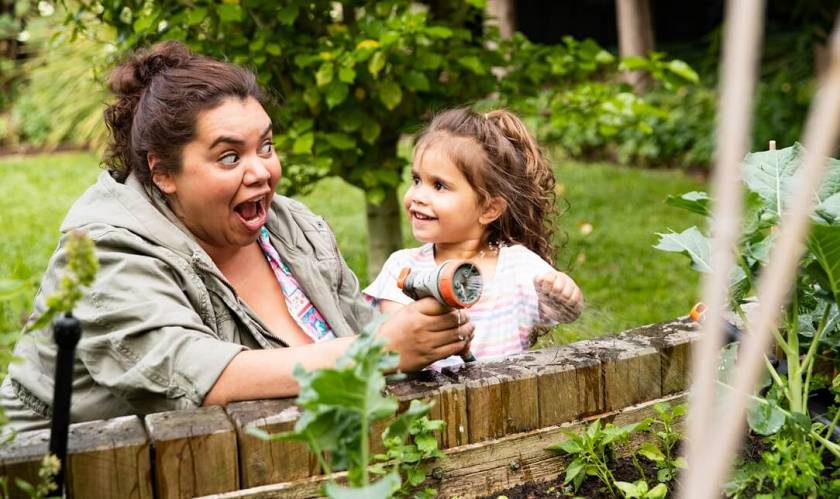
[160, 176]
[493, 209]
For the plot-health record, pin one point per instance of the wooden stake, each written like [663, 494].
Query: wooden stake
[739, 67]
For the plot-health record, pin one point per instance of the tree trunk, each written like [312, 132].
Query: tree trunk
[635, 37]
[504, 11]
[384, 234]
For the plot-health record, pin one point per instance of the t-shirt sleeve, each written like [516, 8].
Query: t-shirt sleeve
[384, 287]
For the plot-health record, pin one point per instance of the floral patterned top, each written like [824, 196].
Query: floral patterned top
[300, 308]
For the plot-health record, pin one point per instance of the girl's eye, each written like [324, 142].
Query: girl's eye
[439, 186]
[415, 179]
[230, 158]
[267, 147]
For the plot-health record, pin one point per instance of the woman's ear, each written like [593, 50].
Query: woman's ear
[493, 209]
[160, 176]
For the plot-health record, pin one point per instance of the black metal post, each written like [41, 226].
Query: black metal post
[66, 331]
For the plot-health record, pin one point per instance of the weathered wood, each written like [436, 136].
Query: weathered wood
[569, 386]
[195, 452]
[674, 342]
[109, 459]
[262, 462]
[483, 468]
[448, 400]
[501, 398]
[21, 458]
[631, 371]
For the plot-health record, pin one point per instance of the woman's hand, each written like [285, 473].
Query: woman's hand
[425, 331]
[560, 298]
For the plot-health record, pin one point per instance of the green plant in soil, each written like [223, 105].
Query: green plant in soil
[662, 452]
[809, 325]
[339, 407]
[592, 451]
[642, 490]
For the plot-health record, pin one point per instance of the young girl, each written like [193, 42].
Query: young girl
[482, 190]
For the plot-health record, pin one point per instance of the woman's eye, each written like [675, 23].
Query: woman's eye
[267, 147]
[229, 159]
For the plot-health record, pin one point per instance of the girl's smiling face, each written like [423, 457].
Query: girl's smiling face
[228, 174]
[442, 206]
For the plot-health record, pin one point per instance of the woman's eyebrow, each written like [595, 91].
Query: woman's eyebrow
[235, 141]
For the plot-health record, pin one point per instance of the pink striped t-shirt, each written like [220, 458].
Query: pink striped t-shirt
[508, 309]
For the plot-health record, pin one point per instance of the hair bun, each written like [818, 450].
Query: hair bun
[137, 72]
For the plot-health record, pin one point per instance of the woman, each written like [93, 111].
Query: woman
[211, 288]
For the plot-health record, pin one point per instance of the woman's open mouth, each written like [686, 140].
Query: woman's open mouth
[252, 213]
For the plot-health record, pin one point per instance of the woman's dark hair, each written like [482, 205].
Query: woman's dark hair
[160, 91]
[499, 157]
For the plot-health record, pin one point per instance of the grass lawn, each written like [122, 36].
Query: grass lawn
[625, 282]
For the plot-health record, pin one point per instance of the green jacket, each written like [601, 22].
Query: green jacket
[161, 322]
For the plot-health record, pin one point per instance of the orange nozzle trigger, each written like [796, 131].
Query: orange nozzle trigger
[402, 277]
[697, 311]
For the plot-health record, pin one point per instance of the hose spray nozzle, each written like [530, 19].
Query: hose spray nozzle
[453, 283]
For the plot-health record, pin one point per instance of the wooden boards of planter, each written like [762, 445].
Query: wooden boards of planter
[195, 452]
[262, 462]
[484, 468]
[106, 459]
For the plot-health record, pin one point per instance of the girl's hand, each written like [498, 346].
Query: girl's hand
[425, 331]
[560, 298]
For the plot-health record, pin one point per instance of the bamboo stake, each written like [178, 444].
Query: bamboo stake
[821, 133]
[738, 73]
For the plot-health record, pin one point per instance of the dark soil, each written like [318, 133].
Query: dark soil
[622, 469]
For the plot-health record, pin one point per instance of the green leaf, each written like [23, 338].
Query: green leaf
[439, 32]
[340, 141]
[569, 446]
[426, 443]
[574, 468]
[376, 63]
[766, 418]
[347, 74]
[690, 242]
[628, 489]
[196, 15]
[415, 476]
[416, 81]
[273, 49]
[370, 131]
[143, 23]
[658, 492]
[428, 60]
[824, 243]
[304, 143]
[349, 120]
[336, 93]
[384, 487]
[287, 15]
[229, 12]
[683, 70]
[633, 63]
[390, 94]
[472, 63]
[324, 75]
[770, 175]
[652, 452]
[695, 201]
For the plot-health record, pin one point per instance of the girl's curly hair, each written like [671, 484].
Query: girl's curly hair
[499, 157]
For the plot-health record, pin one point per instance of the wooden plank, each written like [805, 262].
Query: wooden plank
[109, 459]
[501, 398]
[570, 385]
[483, 468]
[631, 371]
[448, 398]
[21, 458]
[195, 452]
[674, 340]
[262, 462]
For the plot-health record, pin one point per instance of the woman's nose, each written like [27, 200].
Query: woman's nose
[257, 172]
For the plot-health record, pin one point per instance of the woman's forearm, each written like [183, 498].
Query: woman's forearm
[263, 374]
